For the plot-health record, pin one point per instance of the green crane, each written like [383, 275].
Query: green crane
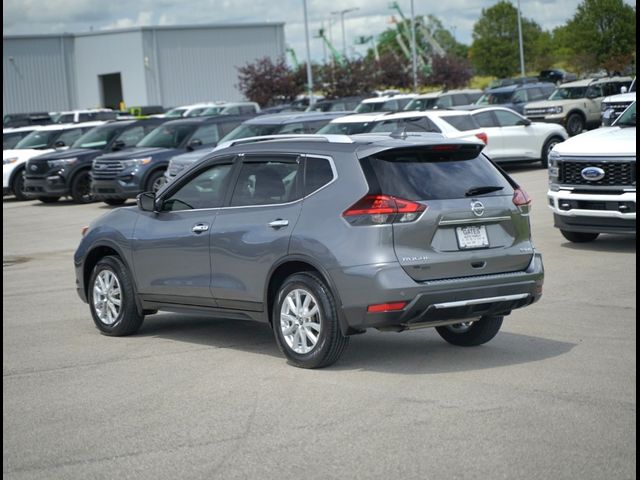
[294, 57]
[337, 57]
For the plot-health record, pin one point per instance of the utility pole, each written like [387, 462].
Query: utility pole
[309, 72]
[344, 38]
[520, 41]
[414, 59]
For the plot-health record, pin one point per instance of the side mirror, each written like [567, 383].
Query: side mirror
[146, 201]
[623, 89]
[59, 144]
[118, 145]
[194, 143]
[525, 121]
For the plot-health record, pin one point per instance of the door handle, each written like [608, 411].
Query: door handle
[200, 227]
[279, 223]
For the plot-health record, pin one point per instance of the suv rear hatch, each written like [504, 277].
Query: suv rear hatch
[474, 219]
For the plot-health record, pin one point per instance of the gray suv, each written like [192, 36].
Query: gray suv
[322, 237]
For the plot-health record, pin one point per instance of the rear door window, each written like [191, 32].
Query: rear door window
[507, 119]
[267, 181]
[420, 175]
[486, 119]
[461, 122]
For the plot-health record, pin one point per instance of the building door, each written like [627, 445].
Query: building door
[111, 89]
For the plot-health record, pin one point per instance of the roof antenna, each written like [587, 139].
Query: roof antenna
[400, 133]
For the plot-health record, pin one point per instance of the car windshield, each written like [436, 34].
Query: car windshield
[211, 111]
[628, 118]
[97, 138]
[495, 98]
[38, 139]
[568, 93]
[251, 130]
[370, 107]
[167, 136]
[11, 139]
[419, 104]
[351, 128]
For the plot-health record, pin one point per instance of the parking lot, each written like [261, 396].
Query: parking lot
[553, 396]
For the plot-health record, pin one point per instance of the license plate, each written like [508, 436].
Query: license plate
[472, 236]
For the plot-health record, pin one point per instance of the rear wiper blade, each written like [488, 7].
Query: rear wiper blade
[482, 190]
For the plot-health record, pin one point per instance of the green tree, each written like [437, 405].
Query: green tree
[602, 34]
[494, 50]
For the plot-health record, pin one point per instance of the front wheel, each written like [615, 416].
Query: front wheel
[546, 150]
[17, 185]
[81, 188]
[305, 322]
[579, 237]
[112, 298]
[473, 333]
[156, 181]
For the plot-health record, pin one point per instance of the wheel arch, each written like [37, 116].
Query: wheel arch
[295, 264]
[98, 252]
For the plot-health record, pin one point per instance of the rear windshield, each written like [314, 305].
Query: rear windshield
[252, 130]
[347, 128]
[420, 175]
[463, 123]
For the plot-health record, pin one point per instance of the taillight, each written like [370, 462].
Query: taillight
[483, 136]
[521, 198]
[383, 209]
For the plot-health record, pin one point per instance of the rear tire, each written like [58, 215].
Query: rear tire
[48, 199]
[546, 150]
[575, 124]
[17, 185]
[112, 298]
[81, 188]
[305, 322]
[114, 202]
[477, 333]
[579, 237]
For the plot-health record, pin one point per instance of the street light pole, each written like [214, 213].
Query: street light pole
[520, 42]
[309, 73]
[414, 59]
[344, 38]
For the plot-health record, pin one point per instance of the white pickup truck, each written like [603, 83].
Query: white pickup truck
[592, 181]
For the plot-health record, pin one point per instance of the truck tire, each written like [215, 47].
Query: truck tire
[575, 124]
[579, 237]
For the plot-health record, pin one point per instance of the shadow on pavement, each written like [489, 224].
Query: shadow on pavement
[409, 353]
[606, 243]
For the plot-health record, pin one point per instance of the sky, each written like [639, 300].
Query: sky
[371, 17]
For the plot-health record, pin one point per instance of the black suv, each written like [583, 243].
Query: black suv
[118, 176]
[24, 119]
[53, 175]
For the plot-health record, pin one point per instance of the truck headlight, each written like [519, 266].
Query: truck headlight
[554, 110]
[554, 167]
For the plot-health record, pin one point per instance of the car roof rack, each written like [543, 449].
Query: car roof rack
[331, 138]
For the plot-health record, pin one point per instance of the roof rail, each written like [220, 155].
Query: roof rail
[331, 138]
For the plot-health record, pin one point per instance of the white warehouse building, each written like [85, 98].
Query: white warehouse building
[141, 66]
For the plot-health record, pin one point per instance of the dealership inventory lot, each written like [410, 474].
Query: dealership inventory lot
[552, 396]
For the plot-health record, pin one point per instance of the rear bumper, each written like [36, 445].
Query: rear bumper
[432, 302]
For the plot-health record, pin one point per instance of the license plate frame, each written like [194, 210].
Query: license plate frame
[472, 236]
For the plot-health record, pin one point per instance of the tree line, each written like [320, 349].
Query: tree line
[601, 35]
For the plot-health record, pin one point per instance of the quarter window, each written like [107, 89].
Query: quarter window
[205, 190]
[268, 182]
[318, 173]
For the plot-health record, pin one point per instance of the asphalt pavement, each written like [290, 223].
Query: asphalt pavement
[553, 396]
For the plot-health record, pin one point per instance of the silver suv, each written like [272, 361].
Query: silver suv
[322, 237]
